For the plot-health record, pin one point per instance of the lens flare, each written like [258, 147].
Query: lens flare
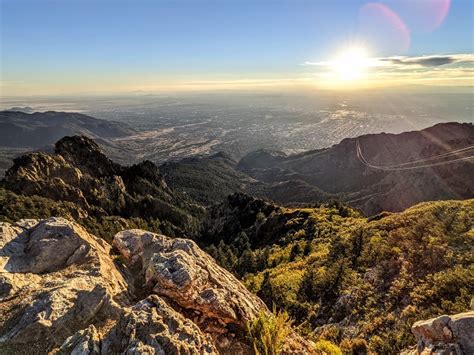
[424, 15]
[383, 29]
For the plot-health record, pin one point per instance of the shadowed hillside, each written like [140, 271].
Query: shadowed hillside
[380, 171]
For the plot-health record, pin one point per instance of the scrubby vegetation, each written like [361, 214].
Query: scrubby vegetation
[14, 207]
[327, 348]
[268, 332]
[343, 278]
[207, 180]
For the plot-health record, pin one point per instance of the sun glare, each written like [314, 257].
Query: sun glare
[351, 64]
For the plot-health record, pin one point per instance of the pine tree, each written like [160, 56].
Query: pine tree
[247, 263]
[266, 290]
[242, 242]
[307, 248]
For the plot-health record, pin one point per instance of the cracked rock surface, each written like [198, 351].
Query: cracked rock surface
[180, 270]
[62, 293]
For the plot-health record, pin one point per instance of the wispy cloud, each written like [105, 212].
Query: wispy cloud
[429, 60]
[409, 61]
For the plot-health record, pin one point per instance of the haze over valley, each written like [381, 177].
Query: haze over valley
[170, 127]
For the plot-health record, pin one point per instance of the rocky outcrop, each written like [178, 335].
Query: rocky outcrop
[87, 156]
[180, 270]
[61, 292]
[153, 327]
[445, 335]
[46, 175]
[81, 173]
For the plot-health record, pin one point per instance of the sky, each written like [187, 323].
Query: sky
[102, 46]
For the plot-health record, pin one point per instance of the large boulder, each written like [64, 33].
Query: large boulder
[445, 334]
[55, 279]
[180, 270]
[184, 275]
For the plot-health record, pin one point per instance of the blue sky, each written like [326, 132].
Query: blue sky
[74, 45]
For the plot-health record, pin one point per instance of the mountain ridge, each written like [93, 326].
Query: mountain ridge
[340, 170]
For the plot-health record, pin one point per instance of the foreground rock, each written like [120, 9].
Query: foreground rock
[179, 269]
[60, 292]
[445, 335]
[153, 327]
[56, 279]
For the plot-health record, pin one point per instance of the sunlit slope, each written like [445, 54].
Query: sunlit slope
[342, 276]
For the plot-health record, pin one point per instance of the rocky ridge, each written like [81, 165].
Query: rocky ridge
[81, 173]
[63, 292]
[22, 130]
[384, 181]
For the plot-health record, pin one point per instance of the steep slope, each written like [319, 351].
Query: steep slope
[62, 292]
[380, 171]
[207, 180]
[344, 277]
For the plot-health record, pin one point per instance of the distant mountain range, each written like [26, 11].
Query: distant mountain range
[21, 131]
[25, 109]
[18, 129]
[376, 172]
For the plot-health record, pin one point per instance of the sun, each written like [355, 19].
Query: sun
[351, 64]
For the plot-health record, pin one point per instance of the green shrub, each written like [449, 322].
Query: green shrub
[326, 347]
[268, 332]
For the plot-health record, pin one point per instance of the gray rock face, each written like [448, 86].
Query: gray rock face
[55, 279]
[60, 289]
[60, 292]
[152, 326]
[445, 334]
[46, 175]
[180, 270]
[84, 342]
